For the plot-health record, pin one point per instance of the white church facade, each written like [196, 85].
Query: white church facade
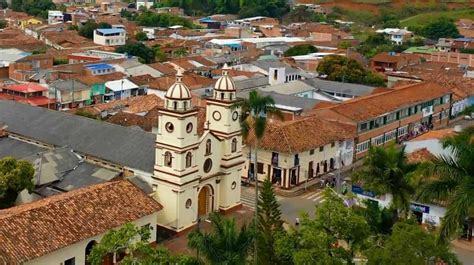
[196, 174]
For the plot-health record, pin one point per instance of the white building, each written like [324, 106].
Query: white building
[150, 32]
[144, 3]
[68, 225]
[197, 172]
[120, 89]
[397, 36]
[55, 17]
[110, 37]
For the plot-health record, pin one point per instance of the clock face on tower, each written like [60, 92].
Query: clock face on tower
[235, 115]
[216, 115]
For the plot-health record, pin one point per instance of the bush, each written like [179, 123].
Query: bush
[3, 23]
[302, 49]
[58, 61]
[141, 36]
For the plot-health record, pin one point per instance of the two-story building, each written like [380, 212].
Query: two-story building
[110, 37]
[290, 153]
[396, 115]
[28, 93]
[70, 93]
[55, 17]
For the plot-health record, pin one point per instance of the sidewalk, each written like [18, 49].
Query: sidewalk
[315, 182]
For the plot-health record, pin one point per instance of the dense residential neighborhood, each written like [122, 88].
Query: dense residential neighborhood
[236, 132]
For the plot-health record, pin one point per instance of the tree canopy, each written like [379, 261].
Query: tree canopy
[3, 23]
[151, 19]
[33, 7]
[302, 49]
[341, 68]
[409, 244]
[440, 28]
[87, 30]
[145, 54]
[15, 176]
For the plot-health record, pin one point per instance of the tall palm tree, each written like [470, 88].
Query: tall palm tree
[224, 245]
[253, 119]
[386, 170]
[451, 182]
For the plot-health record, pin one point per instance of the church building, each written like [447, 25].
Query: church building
[197, 173]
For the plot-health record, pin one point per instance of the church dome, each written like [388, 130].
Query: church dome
[178, 91]
[225, 82]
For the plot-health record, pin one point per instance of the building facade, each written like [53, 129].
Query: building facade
[196, 172]
[110, 37]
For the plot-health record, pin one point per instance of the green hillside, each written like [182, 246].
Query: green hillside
[423, 19]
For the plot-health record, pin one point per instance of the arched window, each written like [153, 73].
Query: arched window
[189, 158]
[233, 147]
[168, 159]
[208, 146]
[222, 95]
[175, 105]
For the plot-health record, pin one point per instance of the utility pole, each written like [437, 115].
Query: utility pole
[72, 105]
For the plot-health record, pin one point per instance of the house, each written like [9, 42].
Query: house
[99, 69]
[321, 33]
[110, 37]
[444, 45]
[55, 17]
[120, 89]
[57, 169]
[144, 4]
[397, 114]
[325, 146]
[396, 35]
[25, 68]
[277, 72]
[93, 56]
[339, 90]
[391, 61]
[28, 93]
[197, 64]
[69, 94]
[159, 86]
[24, 23]
[97, 88]
[300, 89]
[67, 39]
[133, 67]
[255, 21]
[68, 225]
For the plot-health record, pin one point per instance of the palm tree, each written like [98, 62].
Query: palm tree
[451, 182]
[224, 245]
[386, 170]
[253, 118]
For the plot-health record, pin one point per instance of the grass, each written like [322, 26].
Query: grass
[425, 18]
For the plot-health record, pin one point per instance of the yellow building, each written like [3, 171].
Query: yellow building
[29, 21]
[197, 172]
[293, 152]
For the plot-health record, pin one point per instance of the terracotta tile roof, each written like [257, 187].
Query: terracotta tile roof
[396, 58]
[90, 79]
[192, 80]
[371, 106]
[288, 137]
[138, 104]
[420, 155]
[26, 88]
[234, 73]
[445, 74]
[112, 76]
[68, 39]
[14, 38]
[32, 230]
[163, 68]
[129, 119]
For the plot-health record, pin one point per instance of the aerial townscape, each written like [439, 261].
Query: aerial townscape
[236, 132]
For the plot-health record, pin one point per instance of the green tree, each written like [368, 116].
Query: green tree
[380, 219]
[73, 27]
[387, 171]
[33, 7]
[3, 24]
[133, 241]
[302, 49]
[15, 176]
[253, 118]
[440, 28]
[302, 14]
[450, 179]
[141, 36]
[322, 240]
[87, 30]
[343, 69]
[269, 223]
[138, 49]
[394, 23]
[160, 55]
[225, 244]
[409, 244]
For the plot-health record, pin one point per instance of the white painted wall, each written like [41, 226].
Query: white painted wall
[77, 250]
